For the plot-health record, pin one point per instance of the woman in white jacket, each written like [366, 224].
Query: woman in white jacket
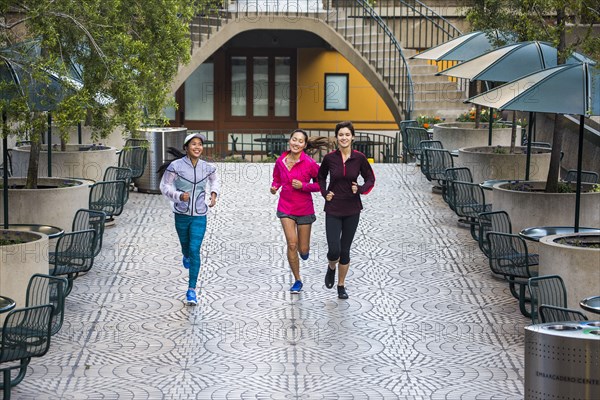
[185, 182]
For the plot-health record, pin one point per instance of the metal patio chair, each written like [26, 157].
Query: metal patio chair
[586, 176]
[414, 137]
[74, 255]
[549, 290]
[47, 289]
[468, 200]
[109, 197]
[492, 221]
[90, 219]
[25, 334]
[509, 257]
[547, 313]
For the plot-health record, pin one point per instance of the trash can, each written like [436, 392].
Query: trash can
[159, 141]
[562, 360]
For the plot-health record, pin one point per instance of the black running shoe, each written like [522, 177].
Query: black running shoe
[329, 278]
[342, 292]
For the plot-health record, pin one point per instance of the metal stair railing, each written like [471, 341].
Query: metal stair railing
[385, 54]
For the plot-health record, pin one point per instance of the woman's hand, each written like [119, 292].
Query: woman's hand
[213, 200]
[273, 190]
[329, 196]
[296, 184]
[185, 196]
[354, 187]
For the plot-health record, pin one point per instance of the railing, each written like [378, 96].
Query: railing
[386, 21]
[264, 145]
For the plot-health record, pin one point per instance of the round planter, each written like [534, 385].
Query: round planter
[538, 208]
[486, 162]
[456, 135]
[78, 161]
[18, 262]
[579, 267]
[54, 202]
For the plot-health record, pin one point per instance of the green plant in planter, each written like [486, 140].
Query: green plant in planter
[500, 150]
[520, 186]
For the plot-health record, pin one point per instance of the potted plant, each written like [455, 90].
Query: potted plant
[22, 254]
[529, 205]
[575, 258]
[465, 132]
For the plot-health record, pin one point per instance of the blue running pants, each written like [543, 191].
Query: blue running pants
[191, 233]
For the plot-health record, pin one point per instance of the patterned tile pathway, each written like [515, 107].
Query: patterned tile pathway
[425, 318]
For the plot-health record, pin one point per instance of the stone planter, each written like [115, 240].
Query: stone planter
[538, 208]
[78, 161]
[579, 267]
[18, 262]
[54, 202]
[486, 163]
[456, 135]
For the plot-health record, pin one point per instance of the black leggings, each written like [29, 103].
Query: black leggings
[340, 233]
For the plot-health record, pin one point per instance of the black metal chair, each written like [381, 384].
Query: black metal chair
[47, 289]
[74, 255]
[509, 257]
[549, 290]
[109, 197]
[90, 219]
[549, 313]
[403, 125]
[414, 137]
[586, 176]
[492, 221]
[468, 201]
[435, 162]
[25, 334]
[119, 174]
[134, 158]
[462, 174]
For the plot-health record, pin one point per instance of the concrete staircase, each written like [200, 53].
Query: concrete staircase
[433, 95]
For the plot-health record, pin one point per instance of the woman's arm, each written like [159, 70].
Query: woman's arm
[366, 171]
[314, 186]
[322, 176]
[167, 186]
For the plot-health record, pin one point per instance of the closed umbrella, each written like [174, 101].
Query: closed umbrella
[564, 89]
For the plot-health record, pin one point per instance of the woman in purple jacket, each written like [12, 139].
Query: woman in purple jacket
[293, 171]
[342, 201]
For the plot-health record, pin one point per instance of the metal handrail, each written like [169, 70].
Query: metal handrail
[264, 145]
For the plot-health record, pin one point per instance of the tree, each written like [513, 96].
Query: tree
[124, 52]
[544, 20]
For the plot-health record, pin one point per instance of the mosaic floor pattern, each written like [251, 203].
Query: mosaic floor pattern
[425, 318]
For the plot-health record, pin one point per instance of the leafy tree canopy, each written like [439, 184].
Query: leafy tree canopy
[124, 53]
[546, 20]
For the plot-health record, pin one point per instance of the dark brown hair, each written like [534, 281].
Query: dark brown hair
[344, 124]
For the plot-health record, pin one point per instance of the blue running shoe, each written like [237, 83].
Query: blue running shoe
[296, 287]
[304, 256]
[186, 262]
[190, 297]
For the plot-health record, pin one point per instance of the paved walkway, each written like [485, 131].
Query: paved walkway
[425, 318]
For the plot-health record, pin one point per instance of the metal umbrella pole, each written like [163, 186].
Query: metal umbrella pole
[5, 169]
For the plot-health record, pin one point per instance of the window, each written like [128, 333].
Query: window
[336, 92]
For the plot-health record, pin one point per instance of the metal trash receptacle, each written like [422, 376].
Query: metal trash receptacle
[562, 360]
[159, 140]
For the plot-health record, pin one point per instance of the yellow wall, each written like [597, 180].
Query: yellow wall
[366, 108]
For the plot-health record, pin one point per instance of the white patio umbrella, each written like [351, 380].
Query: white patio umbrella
[564, 89]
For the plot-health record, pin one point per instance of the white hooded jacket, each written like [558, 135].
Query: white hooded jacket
[181, 176]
